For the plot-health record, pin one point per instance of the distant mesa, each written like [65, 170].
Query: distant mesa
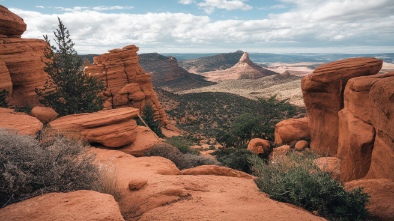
[244, 69]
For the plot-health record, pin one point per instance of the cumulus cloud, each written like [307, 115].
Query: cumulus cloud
[210, 5]
[332, 25]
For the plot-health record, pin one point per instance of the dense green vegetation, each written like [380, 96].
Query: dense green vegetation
[297, 180]
[69, 90]
[148, 117]
[212, 114]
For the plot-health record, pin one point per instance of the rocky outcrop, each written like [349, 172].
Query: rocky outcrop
[381, 201]
[290, 130]
[11, 25]
[259, 146]
[19, 122]
[21, 61]
[127, 84]
[82, 205]
[365, 143]
[215, 170]
[111, 128]
[145, 140]
[244, 69]
[44, 114]
[161, 192]
[323, 98]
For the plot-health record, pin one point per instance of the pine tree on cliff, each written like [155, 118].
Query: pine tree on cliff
[69, 90]
[148, 117]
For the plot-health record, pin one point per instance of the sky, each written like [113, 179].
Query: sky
[215, 26]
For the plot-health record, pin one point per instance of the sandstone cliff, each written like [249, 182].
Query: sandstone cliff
[127, 84]
[21, 61]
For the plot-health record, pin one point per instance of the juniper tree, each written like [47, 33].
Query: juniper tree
[68, 90]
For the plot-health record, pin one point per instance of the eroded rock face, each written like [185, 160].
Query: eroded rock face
[80, 205]
[259, 146]
[365, 124]
[323, 98]
[290, 130]
[11, 25]
[215, 170]
[111, 128]
[19, 122]
[126, 82]
[381, 201]
[44, 114]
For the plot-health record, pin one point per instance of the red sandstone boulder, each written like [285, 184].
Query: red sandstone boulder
[381, 191]
[323, 98]
[82, 205]
[11, 25]
[19, 122]
[215, 170]
[290, 130]
[111, 128]
[144, 141]
[259, 146]
[44, 114]
[301, 145]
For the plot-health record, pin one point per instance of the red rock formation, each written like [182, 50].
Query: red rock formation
[364, 142]
[381, 191]
[82, 205]
[323, 98]
[259, 146]
[126, 82]
[19, 122]
[21, 61]
[244, 69]
[111, 128]
[44, 114]
[11, 25]
[215, 170]
[290, 130]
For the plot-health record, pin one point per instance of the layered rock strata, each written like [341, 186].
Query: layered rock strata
[21, 61]
[127, 84]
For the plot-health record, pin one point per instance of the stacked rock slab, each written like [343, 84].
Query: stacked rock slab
[323, 97]
[21, 61]
[126, 82]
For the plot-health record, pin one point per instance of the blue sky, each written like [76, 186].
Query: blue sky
[200, 26]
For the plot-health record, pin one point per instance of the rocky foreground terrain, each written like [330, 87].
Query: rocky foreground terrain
[349, 122]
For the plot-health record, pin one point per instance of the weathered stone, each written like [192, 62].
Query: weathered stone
[380, 205]
[111, 128]
[323, 98]
[215, 170]
[5, 78]
[24, 60]
[144, 141]
[82, 205]
[19, 122]
[301, 145]
[355, 144]
[382, 159]
[137, 184]
[259, 146]
[290, 130]
[11, 25]
[44, 114]
[127, 83]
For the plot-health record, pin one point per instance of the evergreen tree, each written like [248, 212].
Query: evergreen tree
[148, 117]
[69, 90]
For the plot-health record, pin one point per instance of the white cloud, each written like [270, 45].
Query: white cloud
[40, 6]
[105, 8]
[186, 2]
[325, 24]
[210, 5]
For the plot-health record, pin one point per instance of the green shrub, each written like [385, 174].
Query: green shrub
[69, 90]
[3, 98]
[30, 167]
[234, 158]
[183, 144]
[295, 179]
[24, 109]
[182, 161]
